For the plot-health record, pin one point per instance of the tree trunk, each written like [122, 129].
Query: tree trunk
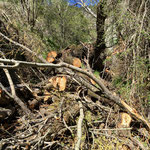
[100, 43]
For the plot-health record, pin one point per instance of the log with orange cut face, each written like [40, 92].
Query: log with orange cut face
[51, 56]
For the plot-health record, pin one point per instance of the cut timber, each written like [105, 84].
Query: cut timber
[51, 56]
[50, 59]
[135, 114]
[65, 57]
[68, 58]
[59, 82]
[55, 81]
[101, 86]
[125, 120]
[76, 62]
[47, 95]
[62, 83]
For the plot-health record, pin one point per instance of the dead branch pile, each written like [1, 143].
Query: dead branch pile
[64, 107]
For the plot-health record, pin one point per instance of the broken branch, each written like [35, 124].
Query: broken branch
[108, 94]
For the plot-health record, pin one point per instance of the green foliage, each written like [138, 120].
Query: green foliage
[96, 73]
[65, 25]
[124, 85]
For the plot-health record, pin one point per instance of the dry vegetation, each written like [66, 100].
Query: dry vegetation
[59, 102]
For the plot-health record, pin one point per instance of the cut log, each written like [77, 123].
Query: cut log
[62, 83]
[68, 58]
[54, 81]
[124, 122]
[50, 59]
[76, 62]
[59, 82]
[51, 56]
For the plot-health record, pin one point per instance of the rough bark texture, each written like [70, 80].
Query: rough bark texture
[100, 43]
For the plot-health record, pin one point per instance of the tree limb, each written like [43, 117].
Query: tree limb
[13, 92]
[17, 100]
[108, 94]
[24, 47]
[87, 9]
[79, 127]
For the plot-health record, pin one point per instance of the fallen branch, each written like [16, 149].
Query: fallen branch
[24, 47]
[108, 94]
[17, 100]
[79, 127]
[13, 92]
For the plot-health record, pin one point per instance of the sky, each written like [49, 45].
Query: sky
[87, 2]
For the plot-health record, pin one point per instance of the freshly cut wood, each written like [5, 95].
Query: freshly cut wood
[50, 59]
[59, 82]
[125, 120]
[93, 82]
[54, 81]
[51, 56]
[68, 58]
[76, 62]
[62, 83]
[47, 95]
[107, 93]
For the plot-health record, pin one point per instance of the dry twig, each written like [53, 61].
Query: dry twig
[108, 94]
